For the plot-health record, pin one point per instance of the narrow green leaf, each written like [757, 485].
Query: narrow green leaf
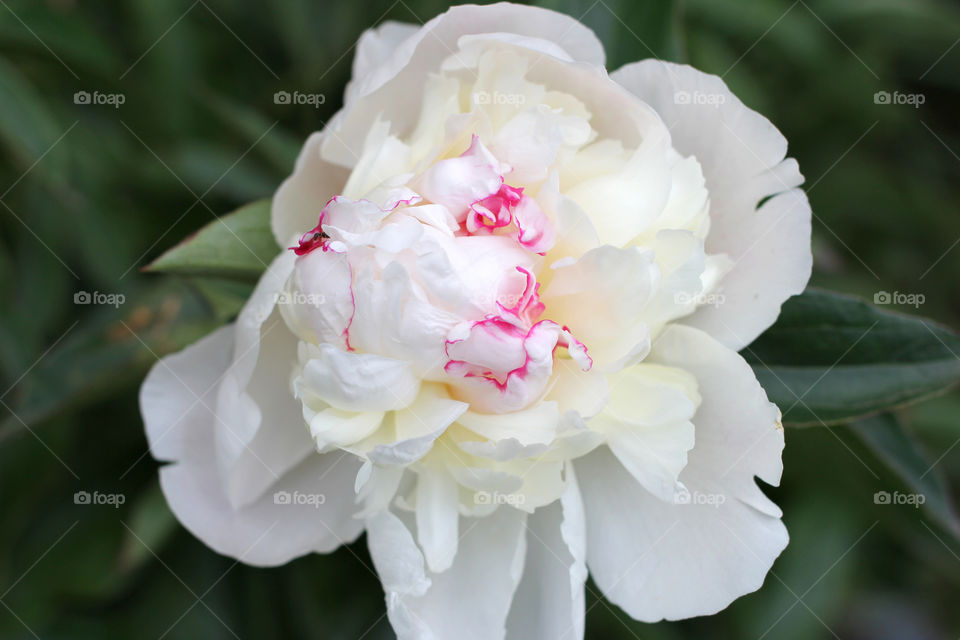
[831, 358]
[109, 350]
[886, 436]
[28, 128]
[150, 527]
[238, 245]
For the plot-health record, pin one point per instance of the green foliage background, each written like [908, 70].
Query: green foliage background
[91, 193]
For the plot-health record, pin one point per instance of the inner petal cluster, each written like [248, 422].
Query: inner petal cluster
[482, 280]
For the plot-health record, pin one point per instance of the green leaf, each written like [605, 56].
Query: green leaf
[151, 526]
[110, 349]
[28, 128]
[886, 436]
[831, 358]
[238, 245]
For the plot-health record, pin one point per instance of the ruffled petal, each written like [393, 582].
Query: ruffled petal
[657, 559]
[742, 157]
[468, 601]
[647, 424]
[549, 603]
[310, 507]
[601, 297]
[357, 381]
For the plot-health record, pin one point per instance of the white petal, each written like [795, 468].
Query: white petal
[502, 450]
[395, 318]
[376, 487]
[240, 395]
[575, 231]
[180, 393]
[332, 427]
[271, 531]
[375, 48]
[181, 428]
[624, 203]
[660, 560]
[534, 425]
[574, 389]
[742, 157]
[738, 430]
[411, 432]
[297, 204]
[437, 517]
[471, 599]
[259, 432]
[458, 182]
[647, 424]
[601, 298]
[549, 603]
[318, 305]
[395, 555]
[395, 89]
[358, 381]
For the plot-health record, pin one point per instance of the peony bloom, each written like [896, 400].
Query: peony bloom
[501, 338]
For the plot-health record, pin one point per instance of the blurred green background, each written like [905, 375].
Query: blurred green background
[92, 192]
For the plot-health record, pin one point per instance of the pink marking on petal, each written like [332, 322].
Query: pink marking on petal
[507, 208]
[536, 342]
[496, 329]
[534, 229]
[312, 239]
[528, 306]
[396, 201]
[353, 303]
[576, 349]
[495, 211]
[317, 238]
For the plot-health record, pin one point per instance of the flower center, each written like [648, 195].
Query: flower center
[498, 357]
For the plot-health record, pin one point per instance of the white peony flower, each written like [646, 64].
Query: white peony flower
[505, 341]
